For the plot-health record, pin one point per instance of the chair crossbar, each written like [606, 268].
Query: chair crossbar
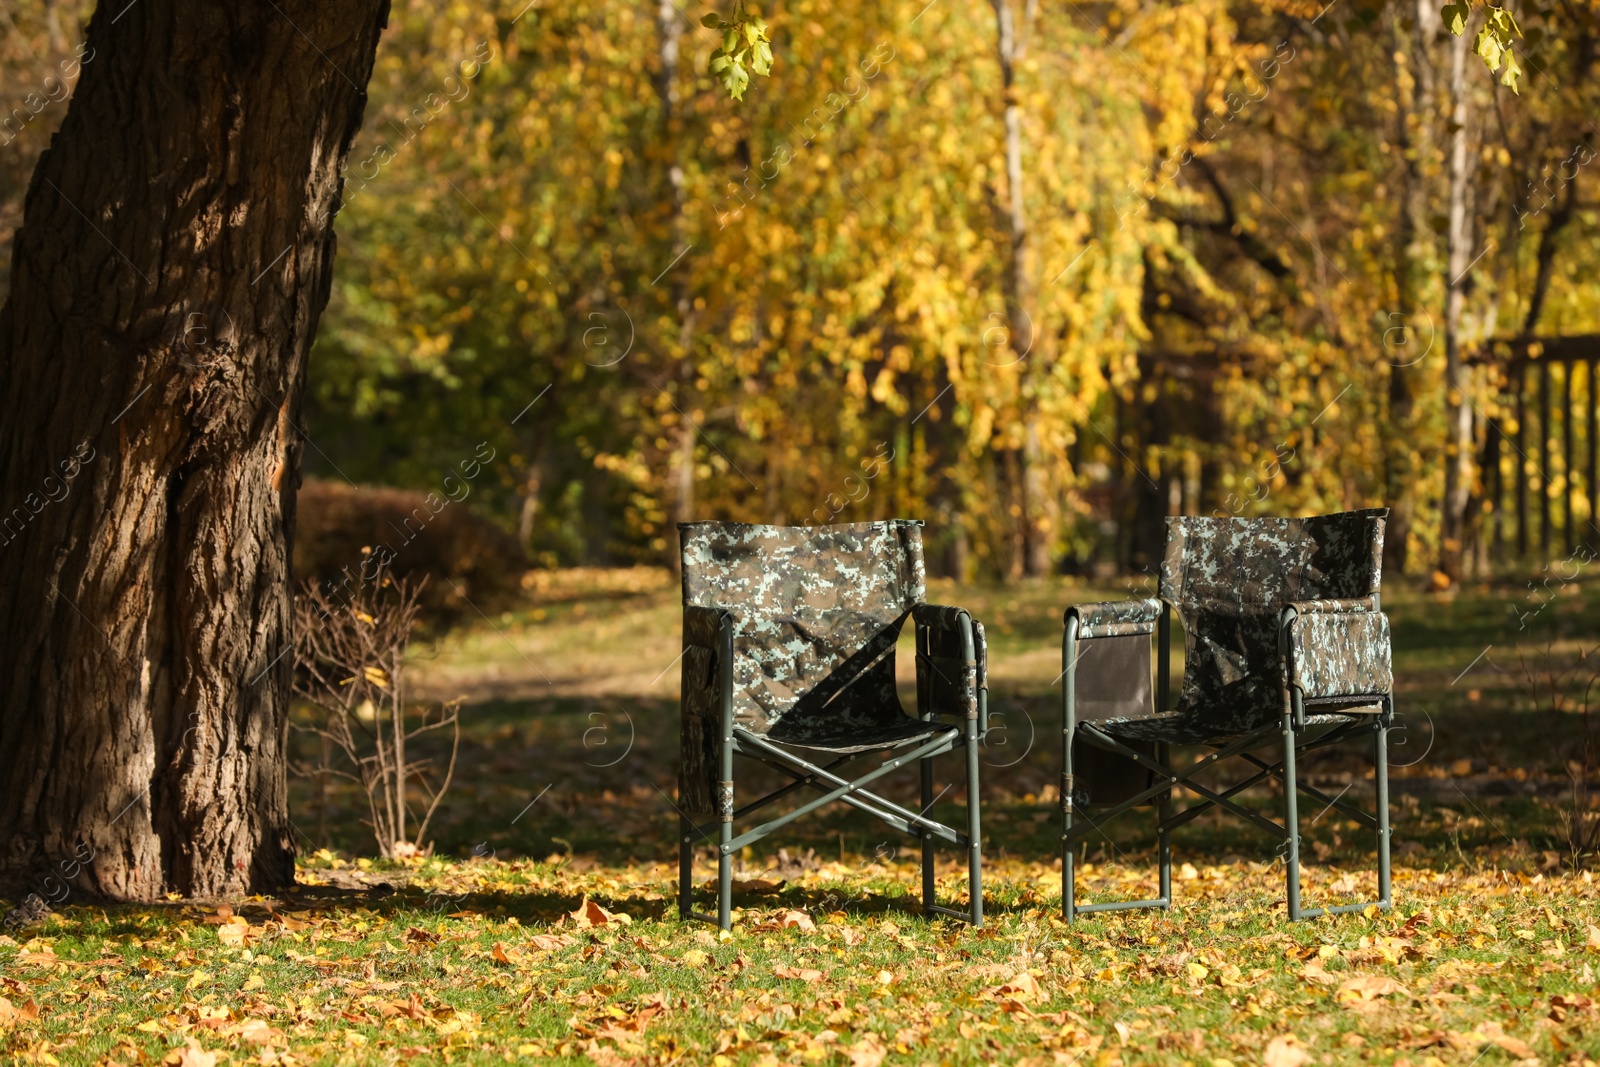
[1125, 905]
[891, 813]
[1199, 808]
[1268, 770]
[1364, 818]
[1186, 778]
[744, 740]
[801, 782]
[1343, 909]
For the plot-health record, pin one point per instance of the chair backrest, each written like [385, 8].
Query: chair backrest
[1229, 580]
[816, 612]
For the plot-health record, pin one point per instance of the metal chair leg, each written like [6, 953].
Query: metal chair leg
[1069, 877]
[974, 827]
[1291, 819]
[1069, 682]
[927, 840]
[1380, 756]
[1164, 835]
[725, 881]
[685, 868]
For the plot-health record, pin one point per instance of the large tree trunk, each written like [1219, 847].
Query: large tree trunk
[174, 257]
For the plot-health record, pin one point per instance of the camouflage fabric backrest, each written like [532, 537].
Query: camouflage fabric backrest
[816, 613]
[1230, 579]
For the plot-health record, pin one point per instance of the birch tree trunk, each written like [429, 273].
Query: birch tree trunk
[1458, 409]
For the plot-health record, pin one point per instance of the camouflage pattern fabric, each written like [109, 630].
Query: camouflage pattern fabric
[947, 682]
[1116, 618]
[1340, 654]
[816, 612]
[1229, 580]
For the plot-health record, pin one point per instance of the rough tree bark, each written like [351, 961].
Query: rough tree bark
[174, 257]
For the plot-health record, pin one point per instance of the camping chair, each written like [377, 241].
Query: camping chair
[789, 637]
[1283, 641]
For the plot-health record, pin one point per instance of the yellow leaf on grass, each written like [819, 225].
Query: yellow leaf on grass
[1314, 971]
[258, 1032]
[1493, 1033]
[868, 1051]
[11, 1015]
[798, 920]
[1285, 1050]
[695, 957]
[1363, 989]
[190, 1055]
[1021, 986]
[591, 914]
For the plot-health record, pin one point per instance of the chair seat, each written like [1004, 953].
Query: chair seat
[840, 737]
[1183, 728]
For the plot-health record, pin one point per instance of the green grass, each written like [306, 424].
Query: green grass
[472, 956]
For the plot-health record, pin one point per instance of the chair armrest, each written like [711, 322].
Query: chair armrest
[948, 682]
[1115, 618]
[939, 616]
[1347, 605]
[1338, 648]
[701, 626]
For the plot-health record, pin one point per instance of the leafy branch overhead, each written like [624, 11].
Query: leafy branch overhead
[745, 47]
[1494, 38]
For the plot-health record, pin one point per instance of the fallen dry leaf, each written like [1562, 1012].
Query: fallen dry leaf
[804, 974]
[1286, 1050]
[797, 920]
[1562, 1006]
[1021, 986]
[591, 914]
[868, 1051]
[1493, 1033]
[1365, 988]
[758, 885]
[12, 1015]
[190, 1055]
[1314, 971]
[550, 942]
[257, 1032]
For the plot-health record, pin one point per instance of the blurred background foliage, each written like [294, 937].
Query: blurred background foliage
[1038, 273]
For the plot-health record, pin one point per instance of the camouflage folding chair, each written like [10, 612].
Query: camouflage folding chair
[789, 637]
[1284, 641]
